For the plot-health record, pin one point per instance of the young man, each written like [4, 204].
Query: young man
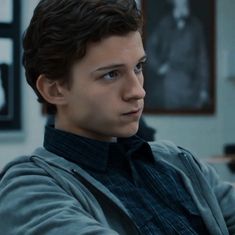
[84, 59]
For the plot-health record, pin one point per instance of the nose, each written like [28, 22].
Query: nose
[133, 87]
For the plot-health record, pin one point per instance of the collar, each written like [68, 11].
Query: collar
[93, 154]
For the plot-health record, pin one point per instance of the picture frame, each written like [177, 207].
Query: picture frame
[10, 90]
[6, 79]
[179, 39]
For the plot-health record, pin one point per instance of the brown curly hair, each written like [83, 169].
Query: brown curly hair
[60, 31]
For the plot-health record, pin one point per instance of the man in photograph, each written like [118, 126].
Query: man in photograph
[93, 175]
[178, 59]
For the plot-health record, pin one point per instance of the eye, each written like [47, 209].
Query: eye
[112, 75]
[139, 67]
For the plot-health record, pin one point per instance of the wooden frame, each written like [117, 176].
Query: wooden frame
[180, 73]
[10, 95]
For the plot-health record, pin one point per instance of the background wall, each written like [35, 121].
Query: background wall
[204, 135]
[33, 122]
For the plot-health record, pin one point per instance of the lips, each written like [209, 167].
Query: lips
[134, 111]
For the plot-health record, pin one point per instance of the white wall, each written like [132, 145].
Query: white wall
[203, 135]
[33, 122]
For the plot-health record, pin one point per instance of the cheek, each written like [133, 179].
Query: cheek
[103, 105]
[95, 104]
[103, 99]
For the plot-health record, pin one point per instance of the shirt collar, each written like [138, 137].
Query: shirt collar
[89, 153]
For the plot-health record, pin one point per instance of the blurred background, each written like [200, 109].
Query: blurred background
[204, 135]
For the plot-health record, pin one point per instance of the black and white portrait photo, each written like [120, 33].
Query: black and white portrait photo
[6, 79]
[179, 45]
[10, 89]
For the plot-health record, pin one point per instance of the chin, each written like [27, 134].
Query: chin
[128, 131]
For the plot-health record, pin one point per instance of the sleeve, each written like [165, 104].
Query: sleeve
[224, 192]
[32, 203]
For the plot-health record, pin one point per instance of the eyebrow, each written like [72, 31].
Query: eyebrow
[114, 66]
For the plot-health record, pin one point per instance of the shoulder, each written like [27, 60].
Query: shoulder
[19, 166]
[184, 161]
[40, 190]
[26, 175]
[165, 149]
[23, 177]
[31, 171]
[42, 170]
[179, 157]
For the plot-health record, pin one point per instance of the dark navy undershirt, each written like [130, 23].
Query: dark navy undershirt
[152, 192]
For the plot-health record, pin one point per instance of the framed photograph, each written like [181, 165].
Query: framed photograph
[6, 79]
[179, 37]
[6, 11]
[10, 98]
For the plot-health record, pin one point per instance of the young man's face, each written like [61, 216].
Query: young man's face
[106, 98]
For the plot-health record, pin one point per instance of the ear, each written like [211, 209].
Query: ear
[51, 91]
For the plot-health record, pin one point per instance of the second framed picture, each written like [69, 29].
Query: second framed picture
[10, 92]
[179, 37]
[6, 80]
